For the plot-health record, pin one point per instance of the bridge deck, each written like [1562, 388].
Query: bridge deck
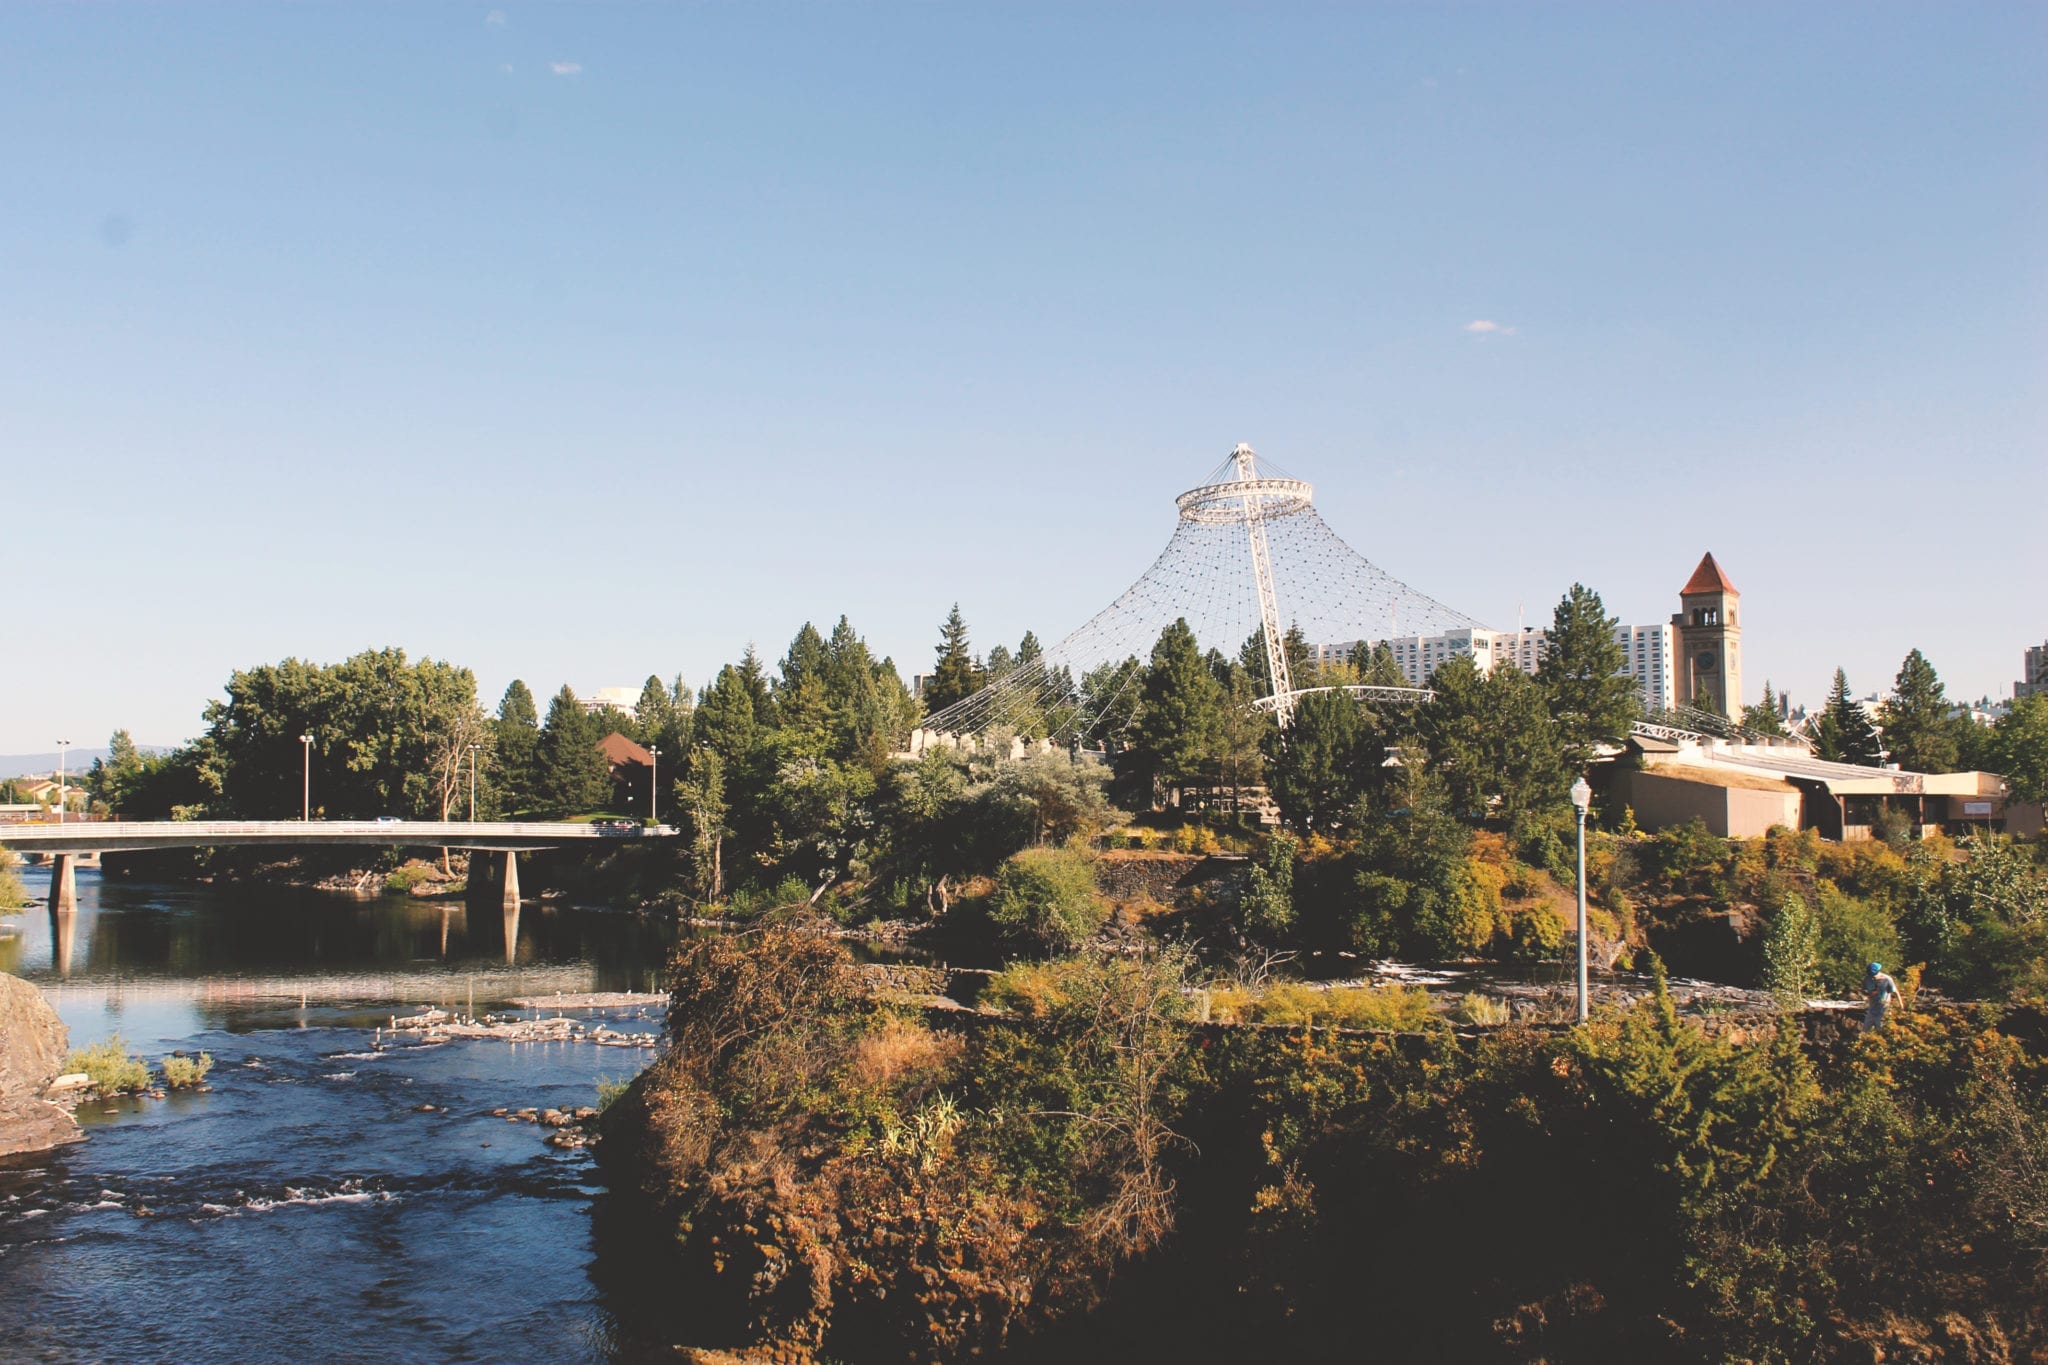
[127, 836]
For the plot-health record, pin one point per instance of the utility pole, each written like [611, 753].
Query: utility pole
[1582, 799]
[472, 784]
[653, 783]
[62, 746]
[306, 787]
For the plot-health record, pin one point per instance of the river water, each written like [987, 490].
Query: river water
[335, 1195]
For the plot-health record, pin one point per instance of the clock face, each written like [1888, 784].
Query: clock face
[1706, 661]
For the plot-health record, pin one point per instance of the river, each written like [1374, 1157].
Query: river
[327, 1198]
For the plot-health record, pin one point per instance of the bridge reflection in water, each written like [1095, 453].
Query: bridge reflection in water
[227, 949]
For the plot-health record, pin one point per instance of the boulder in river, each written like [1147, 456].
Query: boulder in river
[33, 1045]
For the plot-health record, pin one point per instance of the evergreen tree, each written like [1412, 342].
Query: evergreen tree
[760, 692]
[955, 675]
[1300, 659]
[1028, 649]
[1382, 669]
[653, 712]
[570, 773]
[113, 779]
[1844, 733]
[1109, 699]
[1179, 715]
[1000, 661]
[1316, 766]
[725, 718]
[1243, 736]
[1493, 739]
[1918, 729]
[803, 711]
[515, 738]
[1591, 700]
[1762, 717]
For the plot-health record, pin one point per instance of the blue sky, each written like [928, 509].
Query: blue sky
[583, 342]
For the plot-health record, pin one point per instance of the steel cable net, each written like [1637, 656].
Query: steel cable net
[1206, 575]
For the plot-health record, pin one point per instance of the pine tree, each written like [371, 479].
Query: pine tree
[1917, 726]
[515, 739]
[955, 676]
[725, 720]
[652, 711]
[1592, 701]
[571, 776]
[1028, 649]
[1762, 717]
[1179, 718]
[1382, 669]
[1317, 765]
[1844, 733]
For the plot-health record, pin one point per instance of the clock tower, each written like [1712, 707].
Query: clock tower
[1709, 643]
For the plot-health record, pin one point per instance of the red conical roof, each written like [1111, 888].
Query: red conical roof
[1708, 578]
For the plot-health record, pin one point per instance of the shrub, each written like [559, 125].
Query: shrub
[12, 896]
[1853, 934]
[1792, 953]
[113, 1071]
[186, 1073]
[1046, 897]
[1375, 1007]
[402, 880]
[608, 1089]
[1269, 893]
[1473, 1008]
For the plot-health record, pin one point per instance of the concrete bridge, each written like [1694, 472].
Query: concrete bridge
[64, 842]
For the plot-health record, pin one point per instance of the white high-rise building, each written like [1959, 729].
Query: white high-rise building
[1646, 655]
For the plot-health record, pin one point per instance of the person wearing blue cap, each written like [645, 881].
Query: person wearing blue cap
[1879, 990]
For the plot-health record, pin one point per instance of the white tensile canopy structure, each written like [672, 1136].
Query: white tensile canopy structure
[1250, 555]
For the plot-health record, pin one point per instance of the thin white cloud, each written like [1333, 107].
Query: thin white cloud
[496, 18]
[566, 68]
[505, 67]
[1483, 327]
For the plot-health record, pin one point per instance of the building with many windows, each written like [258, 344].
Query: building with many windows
[1646, 655]
[2036, 681]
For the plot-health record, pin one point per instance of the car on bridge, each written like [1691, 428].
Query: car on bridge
[616, 826]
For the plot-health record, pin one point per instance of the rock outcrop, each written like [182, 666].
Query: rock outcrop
[33, 1045]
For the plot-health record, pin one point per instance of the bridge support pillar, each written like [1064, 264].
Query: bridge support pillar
[511, 880]
[63, 882]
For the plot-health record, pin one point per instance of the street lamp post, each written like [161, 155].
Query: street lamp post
[62, 746]
[472, 784]
[306, 784]
[653, 784]
[1582, 799]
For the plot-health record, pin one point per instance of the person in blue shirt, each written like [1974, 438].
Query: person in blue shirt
[1879, 990]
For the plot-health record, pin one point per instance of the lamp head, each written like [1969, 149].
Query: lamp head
[1582, 796]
